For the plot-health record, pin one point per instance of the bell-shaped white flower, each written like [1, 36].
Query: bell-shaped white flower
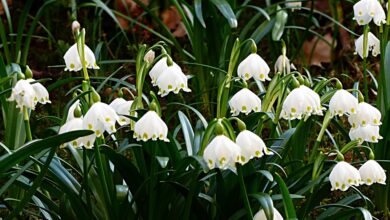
[122, 107]
[282, 64]
[301, 102]
[251, 146]
[366, 115]
[77, 124]
[366, 10]
[371, 172]
[373, 45]
[28, 95]
[150, 126]
[244, 101]
[172, 80]
[343, 176]
[73, 61]
[158, 69]
[343, 102]
[369, 133]
[72, 109]
[99, 118]
[253, 66]
[222, 153]
[260, 215]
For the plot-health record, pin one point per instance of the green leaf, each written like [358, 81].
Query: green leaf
[266, 203]
[281, 20]
[33, 147]
[225, 9]
[188, 133]
[288, 204]
[198, 12]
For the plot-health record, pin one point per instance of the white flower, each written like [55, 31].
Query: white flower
[373, 45]
[343, 176]
[343, 102]
[293, 4]
[253, 66]
[369, 133]
[222, 153]
[301, 102]
[282, 64]
[73, 61]
[149, 56]
[173, 80]
[28, 95]
[371, 172]
[122, 107]
[251, 146]
[71, 110]
[77, 124]
[159, 68]
[99, 118]
[366, 10]
[366, 115]
[150, 126]
[260, 215]
[244, 101]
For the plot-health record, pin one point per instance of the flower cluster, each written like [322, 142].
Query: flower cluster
[27, 93]
[168, 78]
[344, 175]
[223, 153]
[367, 10]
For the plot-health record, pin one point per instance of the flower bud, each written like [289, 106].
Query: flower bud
[95, 96]
[75, 26]
[28, 72]
[149, 56]
[77, 112]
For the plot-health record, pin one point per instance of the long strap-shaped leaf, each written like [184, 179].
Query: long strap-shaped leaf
[9, 160]
[288, 204]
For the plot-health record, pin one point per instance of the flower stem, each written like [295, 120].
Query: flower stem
[26, 118]
[325, 124]
[365, 54]
[244, 193]
[153, 180]
[102, 175]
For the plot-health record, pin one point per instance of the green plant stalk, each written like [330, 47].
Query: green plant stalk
[244, 193]
[325, 124]
[26, 118]
[365, 53]
[153, 180]
[80, 47]
[103, 177]
[223, 93]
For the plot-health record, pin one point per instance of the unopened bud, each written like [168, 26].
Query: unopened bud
[169, 61]
[253, 47]
[28, 72]
[20, 75]
[219, 128]
[77, 112]
[149, 56]
[95, 96]
[75, 26]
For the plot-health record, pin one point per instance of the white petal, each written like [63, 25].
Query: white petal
[371, 172]
[244, 101]
[150, 126]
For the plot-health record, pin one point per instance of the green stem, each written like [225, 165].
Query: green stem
[244, 193]
[80, 47]
[102, 176]
[27, 124]
[365, 54]
[325, 124]
[153, 180]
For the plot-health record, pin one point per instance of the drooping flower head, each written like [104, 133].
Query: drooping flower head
[173, 80]
[158, 69]
[366, 10]
[99, 118]
[222, 153]
[73, 61]
[72, 109]
[77, 124]
[343, 176]
[343, 102]
[122, 107]
[28, 95]
[150, 126]
[366, 115]
[369, 133]
[282, 64]
[373, 45]
[253, 66]
[244, 101]
[260, 215]
[371, 172]
[301, 102]
[251, 146]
